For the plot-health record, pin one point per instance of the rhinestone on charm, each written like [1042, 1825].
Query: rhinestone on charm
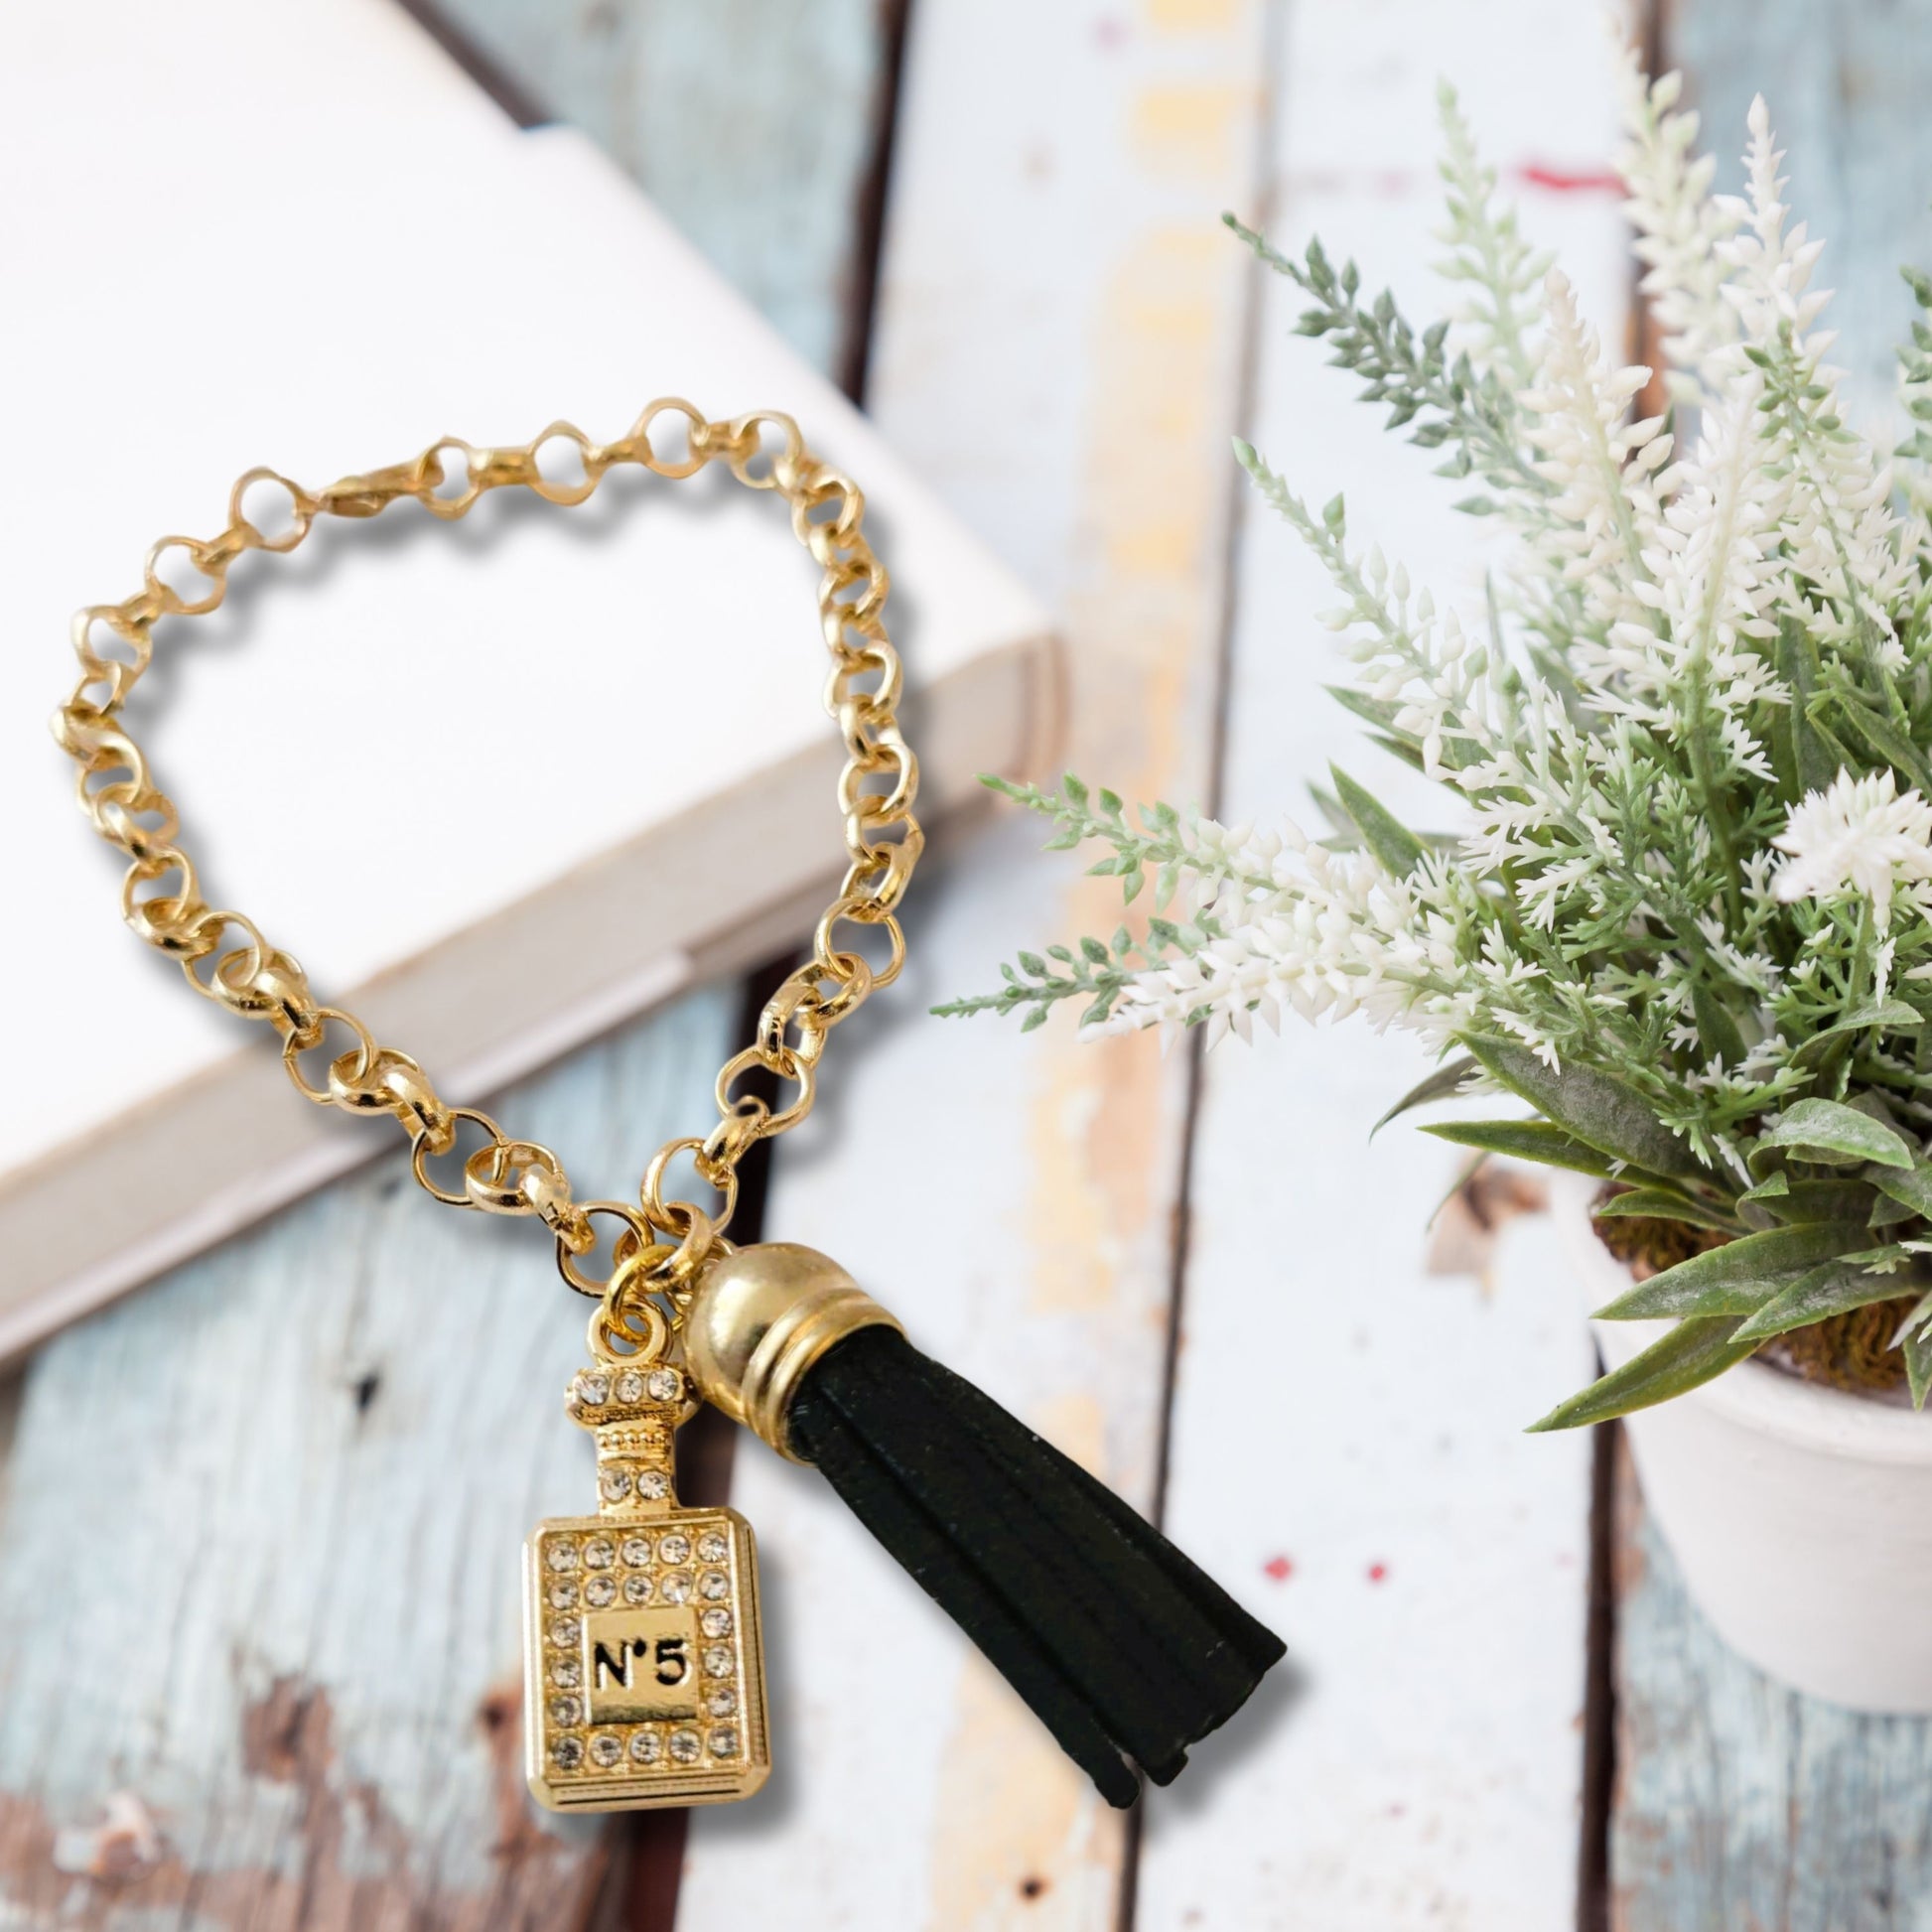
[645, 1678]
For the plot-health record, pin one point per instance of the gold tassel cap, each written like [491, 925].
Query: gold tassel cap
[760, 1319]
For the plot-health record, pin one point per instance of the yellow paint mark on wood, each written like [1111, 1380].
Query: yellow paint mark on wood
[1020, 1838]
[1191, 131]
[1020, 1829]
[1192, 15]
[1015, 1831]
[1158, 548]
[1143, 631]
[1097, 1132]
[1075, 1423]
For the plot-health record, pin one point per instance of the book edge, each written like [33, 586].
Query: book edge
[99, 1215]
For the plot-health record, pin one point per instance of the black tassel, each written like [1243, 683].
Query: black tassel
[1126, 1650]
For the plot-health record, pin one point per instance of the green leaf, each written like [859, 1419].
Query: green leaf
[1736, 1278]
[1464, 1176]
[1885, 740]
[1689, 1356]
[1837, 1288]
[1599, 1111]
[1893, 1013]
[1804, 1201]
[1379, 712]
[1410, 755]
[1837, 751]
[1772, 1187]
[1526, 1140]
[1658, 1203]
[1805, 763]
[1385, 835]
[1915, 1339]
[1917, 1350]
[1716, 1028]
[1329, 806]
[1443, 1084]
[1837, 1135]
[1911, 1186]
[1887, 1212]
[1919, 1319]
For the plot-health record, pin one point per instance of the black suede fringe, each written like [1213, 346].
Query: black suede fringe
[1126, 1650]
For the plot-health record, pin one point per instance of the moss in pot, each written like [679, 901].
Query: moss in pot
[1857, 1350]
[1678, 905]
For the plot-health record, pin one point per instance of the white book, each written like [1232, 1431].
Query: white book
[497, 784]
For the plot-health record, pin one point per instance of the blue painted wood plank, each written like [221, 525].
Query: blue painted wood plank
[258, 1566]
[1738, 1803]
[1742, 1804]
[751, 122]
[1846, 84]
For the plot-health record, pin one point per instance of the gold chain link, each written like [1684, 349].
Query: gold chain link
[226, 959]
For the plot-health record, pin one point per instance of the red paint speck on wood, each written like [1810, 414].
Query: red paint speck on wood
[1278, 1567]
[1377, 1572]
[1570, 181]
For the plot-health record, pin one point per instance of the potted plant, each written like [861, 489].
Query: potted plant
[1680, 908]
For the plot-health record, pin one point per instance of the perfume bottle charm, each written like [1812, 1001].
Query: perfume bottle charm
[644, 1670]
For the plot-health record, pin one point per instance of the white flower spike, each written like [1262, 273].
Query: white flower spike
[1855, 837]
[1674, 746]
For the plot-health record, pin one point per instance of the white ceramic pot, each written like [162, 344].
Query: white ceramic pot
[1800, 1516]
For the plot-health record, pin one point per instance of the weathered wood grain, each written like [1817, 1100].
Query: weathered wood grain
[754, 123]
[259, 1562]
[1060, 343]
[1346, 1436]
[1847, 82]
[1740, 1803]
[258, 1649]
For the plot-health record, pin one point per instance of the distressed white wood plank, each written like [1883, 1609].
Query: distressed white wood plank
[258, 1566]
[1059, 346]
[1346, 1429]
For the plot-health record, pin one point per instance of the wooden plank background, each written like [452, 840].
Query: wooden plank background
[1058, 342]
[1361, 1413]
[302, 1460]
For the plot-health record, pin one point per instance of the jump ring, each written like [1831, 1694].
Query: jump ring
[634, 1239]
[422, 1151]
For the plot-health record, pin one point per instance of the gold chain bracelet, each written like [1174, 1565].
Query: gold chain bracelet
[643, 1658]
[226, 959]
